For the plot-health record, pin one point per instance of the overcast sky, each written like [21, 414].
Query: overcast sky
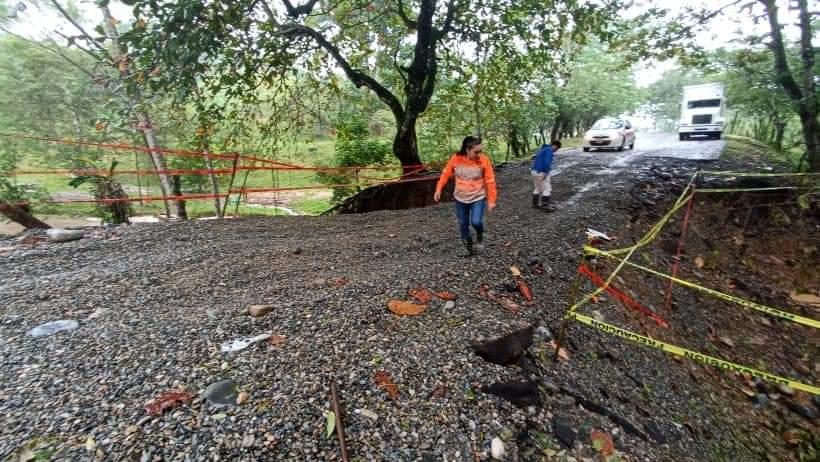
[38, 22]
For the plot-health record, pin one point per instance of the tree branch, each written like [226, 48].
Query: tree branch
[296, 11]
[447, 27]
[358, 78]
[807, 50]
[85, 34]
[403, 15]
[781, 64]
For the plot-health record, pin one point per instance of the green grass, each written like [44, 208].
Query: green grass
[740, 147]
[312, 206]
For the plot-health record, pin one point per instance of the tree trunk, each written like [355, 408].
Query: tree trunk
[405, 146]
[811, 136]
[157, 161]
[21, 217]
[556, 127]
[144, 121]
[182, 213]
[805, 96]
[780, 131]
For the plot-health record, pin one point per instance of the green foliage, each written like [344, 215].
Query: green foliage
[354, 148]
[106, 187]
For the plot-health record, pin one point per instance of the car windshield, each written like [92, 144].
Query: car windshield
[703, 103]
[608, 124]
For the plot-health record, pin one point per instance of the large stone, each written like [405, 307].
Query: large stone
[565, 434]
[53, 327]
[258, 311]
[507, 349]
[222, 393]
[64, 235]
[522, 394]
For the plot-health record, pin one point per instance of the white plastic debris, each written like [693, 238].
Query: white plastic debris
[242, 343]
[497, 449]
[53, 327]
[64, 235]
[592, 234]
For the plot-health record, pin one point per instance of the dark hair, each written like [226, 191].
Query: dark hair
[556, 143]
[468, 143]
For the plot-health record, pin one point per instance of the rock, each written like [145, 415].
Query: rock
[507, 349]
[565, 434]
[543, 334]
[785, 389]
[258, 311]
[550, 386]
[657, 432]
[816, 400]
[219, 417]
[598, 316]
[566, 401]
[522, 394]
[64, 235]
[760, 400]
[242, 397]
[248, 440]
[800, 409]
[369, 414]
[49, 328]
[449, 305]
[222, 393]
[497, 449]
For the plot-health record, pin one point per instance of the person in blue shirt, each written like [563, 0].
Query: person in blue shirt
[541, 167]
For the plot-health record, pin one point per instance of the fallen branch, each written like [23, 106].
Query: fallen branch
[340, 429]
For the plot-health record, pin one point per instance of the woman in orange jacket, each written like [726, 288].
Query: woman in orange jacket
[475, 189]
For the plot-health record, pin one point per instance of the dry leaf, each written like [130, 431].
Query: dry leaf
[700, 262]
[602, 443]
[277, 340]
[509, 305]
[405, 308]
[524, 289]
[242, 397]
[444, 295]
[439, 391]
[168, 399]
[748, 392]
[384, 382]
[727, 341]
[339, 281]
[515, 271]
[806, 299]
[420, 294]
[562, 353]
[792, 437]
[711, 334]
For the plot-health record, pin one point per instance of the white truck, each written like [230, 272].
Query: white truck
[702, 113]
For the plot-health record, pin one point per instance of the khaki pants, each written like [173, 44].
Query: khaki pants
[542, 184]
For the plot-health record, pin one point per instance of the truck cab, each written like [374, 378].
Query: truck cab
[703, 109]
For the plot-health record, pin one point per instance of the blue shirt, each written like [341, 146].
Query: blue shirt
[543, 159]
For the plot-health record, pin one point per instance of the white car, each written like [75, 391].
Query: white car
[610, 134]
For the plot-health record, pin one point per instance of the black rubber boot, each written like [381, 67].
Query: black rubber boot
[479, 241]
[468, 244]
[545, 204]
[535, 201]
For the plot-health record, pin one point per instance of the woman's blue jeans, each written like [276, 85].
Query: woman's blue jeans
[471, 214]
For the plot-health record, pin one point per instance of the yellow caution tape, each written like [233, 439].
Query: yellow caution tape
[683, 352]
[726, 297]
